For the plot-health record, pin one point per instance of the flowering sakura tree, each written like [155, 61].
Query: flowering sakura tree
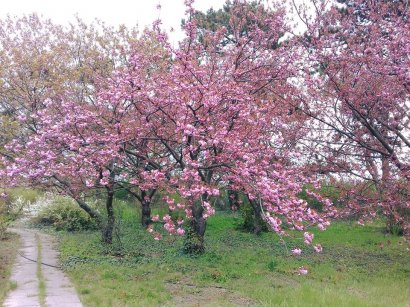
[188, 121]
[215, 117]
[357, 85]
[50, 76]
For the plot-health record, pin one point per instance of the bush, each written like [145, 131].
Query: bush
[397, 220]
[251, 219]
[4, 220]
[122, 194]
[26, 194]
[63, 213]
[15, 202]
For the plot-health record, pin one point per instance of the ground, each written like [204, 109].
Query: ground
[8, 252]
[360, 266]
[36, 276]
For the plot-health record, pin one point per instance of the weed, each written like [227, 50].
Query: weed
[12, 285]
[40, 276]
[272, 265]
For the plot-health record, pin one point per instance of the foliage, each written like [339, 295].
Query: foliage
[122, 194]
[26, 194]
[14, 203]
[250, 218]
[62, 213]
[14, 208]
[397, 226]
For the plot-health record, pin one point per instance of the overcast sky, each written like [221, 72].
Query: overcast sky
[113, 12]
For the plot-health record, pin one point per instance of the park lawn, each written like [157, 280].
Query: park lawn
[8, 251]
[359, 266]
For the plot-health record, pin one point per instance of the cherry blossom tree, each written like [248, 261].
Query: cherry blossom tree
[215, 118]
[228, 17]
[356, 76]
[50, 75]
[189, 121]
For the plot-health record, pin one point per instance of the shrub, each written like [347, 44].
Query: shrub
[122, 194]
[251, 219]
[16, 208]
[63, 213]
[26, 194]
[3, 217]
[193, 243]
[15, 202]
[397, 220]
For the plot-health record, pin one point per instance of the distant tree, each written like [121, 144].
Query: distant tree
[48, 72]
[357, 95]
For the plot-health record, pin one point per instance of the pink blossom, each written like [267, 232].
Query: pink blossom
[155, 218]
[360, 222]
[89, 183]
[308, 237]
[169, 226]
[104, 181]
[150, 228]
[302, 271]
[166, 218]
[180, 206]
[296, 252]
[318, 248]
[180, 231]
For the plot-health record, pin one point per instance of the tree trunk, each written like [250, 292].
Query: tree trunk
[194, 239]
[257, 221]
[109, 227]
[393, 224]
[90, 211]
[145, 210]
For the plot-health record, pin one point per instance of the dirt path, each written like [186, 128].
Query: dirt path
[39, 284]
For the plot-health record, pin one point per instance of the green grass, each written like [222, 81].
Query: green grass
[238, 268]
[40, 276]
[8, 251]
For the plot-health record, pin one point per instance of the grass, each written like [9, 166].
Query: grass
[8, 251]
[360, 266]
[40, 276]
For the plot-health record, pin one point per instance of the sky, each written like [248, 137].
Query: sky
[113, 12]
